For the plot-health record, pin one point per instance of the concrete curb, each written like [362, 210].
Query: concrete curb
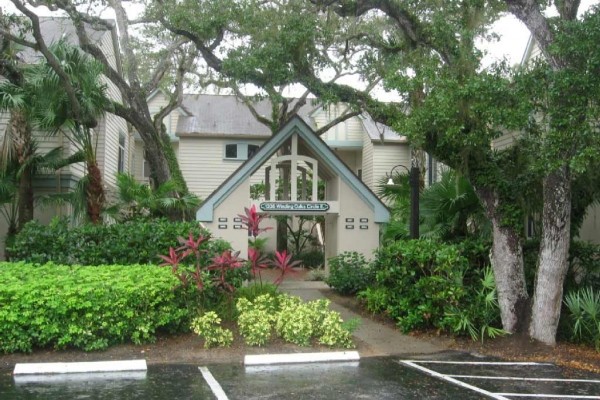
[294, 358]
[80, 367]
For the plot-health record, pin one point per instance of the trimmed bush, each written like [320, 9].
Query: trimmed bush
[421, 284]
[133, 242]
[349, 273]
[86, 307]
[293, 320]
[207, 327]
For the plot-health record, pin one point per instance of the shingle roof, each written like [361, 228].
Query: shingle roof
[226, 115]
[56, 28]
[377, 131]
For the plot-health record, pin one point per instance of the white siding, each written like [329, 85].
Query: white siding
[386, 156]
[202, 164]
[349, 130]
[504, 141]
[367, 161]
[138, 161]
[158, 102]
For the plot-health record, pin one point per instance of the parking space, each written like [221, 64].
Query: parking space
[511, 380]
[448, 376]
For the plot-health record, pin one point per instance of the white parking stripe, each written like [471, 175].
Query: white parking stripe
[556, 396]
[454, 381]
[214, 385]
[478, 362]
[515, 378]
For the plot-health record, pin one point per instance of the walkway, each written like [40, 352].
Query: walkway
[380, 340]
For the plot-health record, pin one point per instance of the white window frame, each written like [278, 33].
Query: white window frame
[121, 153]
[242, 150]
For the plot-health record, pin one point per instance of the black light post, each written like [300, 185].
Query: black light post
[414, 182]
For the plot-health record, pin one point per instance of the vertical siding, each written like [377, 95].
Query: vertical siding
[386, 156]
[367, 161]
[202, 164]
[349, 130]
[138, 161]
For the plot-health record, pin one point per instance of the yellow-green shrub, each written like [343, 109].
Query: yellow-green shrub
[86, 307]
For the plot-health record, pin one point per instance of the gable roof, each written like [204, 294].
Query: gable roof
[226, 115]
[377, 131]
[317, 146]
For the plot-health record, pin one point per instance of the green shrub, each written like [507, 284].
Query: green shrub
[255, 327]
[349, 273]
[418, 282]
[254, 290]
[478, 316]
[334, 333]
[311, 259]
[133, 242]
[86, 307]
[584, 314]
[293, 320]
[207, 327]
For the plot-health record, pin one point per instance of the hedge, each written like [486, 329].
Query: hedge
[86, 307]
[133, 242]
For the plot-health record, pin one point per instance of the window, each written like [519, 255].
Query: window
[121, 154]
[252, 149]
[231, 151]
[240, 151]
[359, 174]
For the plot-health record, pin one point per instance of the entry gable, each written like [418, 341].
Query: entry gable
[324, 156]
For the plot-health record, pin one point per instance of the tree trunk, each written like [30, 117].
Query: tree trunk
[24, 151]
[553, 257]
[507, 262]
[94, 192]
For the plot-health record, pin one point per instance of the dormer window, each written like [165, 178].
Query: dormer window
[240, 151]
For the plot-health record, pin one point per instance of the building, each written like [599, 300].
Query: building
[114, 143]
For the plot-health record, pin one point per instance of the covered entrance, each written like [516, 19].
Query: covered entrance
[302, 176]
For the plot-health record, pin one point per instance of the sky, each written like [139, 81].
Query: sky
[511, 45]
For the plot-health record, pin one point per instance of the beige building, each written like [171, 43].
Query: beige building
[213, 135]
[353, 214]
[114, 143]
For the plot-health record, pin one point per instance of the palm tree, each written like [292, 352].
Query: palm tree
[450, 209]
[136, 200]
[20, 159]
[55, 114]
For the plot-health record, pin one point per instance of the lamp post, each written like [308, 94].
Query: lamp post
[414, 181]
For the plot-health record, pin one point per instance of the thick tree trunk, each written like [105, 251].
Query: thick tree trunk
[94, 192]
[507, 262]
[553, 257]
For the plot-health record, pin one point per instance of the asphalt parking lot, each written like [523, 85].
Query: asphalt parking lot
[462, 378]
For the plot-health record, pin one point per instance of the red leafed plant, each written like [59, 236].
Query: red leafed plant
[252, 219]
[227, 261]
[188, 247]
[257, 261]
[283, 261]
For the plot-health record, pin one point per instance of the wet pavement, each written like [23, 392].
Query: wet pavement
[443, 377]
